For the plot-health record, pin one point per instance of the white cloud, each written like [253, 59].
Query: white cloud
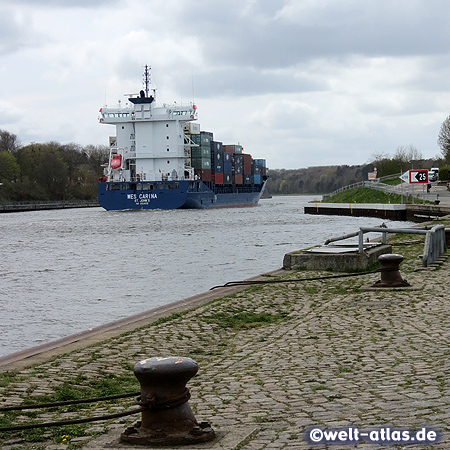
[299, 82]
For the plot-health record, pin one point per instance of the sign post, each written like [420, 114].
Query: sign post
[416, 176]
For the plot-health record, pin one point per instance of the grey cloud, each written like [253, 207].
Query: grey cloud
[67, 3]
[268, 39]
[15, 35]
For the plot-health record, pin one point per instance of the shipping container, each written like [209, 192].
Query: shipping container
[216, 146]
[233, 149]
[208, 133]
[227, 158]
[238, 170]
[227, 178]
[201, 152]
[237, 160]
[260, 162]
[201, 139]
[196, 139]
[201, 163]
[248, 178]
[257, 179]
[257, 170]
[238, 179]
[191, 128]
[217, 178]
[203, 174]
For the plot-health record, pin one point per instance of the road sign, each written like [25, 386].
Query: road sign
[415, 177]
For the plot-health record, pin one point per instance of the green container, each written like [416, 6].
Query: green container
[201, 163]
[201, 152]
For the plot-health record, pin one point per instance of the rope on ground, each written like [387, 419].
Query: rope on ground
[72, 422]
[294, 280]
[69, 402]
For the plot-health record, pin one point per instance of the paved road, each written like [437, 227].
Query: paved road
[436, 192]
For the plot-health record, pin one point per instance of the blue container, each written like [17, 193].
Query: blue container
[257, 179]
[237, 159]
[216, 146]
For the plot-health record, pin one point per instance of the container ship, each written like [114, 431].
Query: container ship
[161, 159]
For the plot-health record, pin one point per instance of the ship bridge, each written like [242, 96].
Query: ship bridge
[147, 112]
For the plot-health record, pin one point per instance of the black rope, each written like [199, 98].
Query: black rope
[250, 282]
[152, 403]
[68, 402]
[71, 422]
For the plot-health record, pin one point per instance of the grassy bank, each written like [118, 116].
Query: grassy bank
[366, 195]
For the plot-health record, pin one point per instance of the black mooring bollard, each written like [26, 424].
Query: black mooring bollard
[390, 273]
[169, 419]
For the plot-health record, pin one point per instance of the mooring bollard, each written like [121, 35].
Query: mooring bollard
[390, 273]
[169, 419]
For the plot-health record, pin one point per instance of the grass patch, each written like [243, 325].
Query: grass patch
[7, 377]
[241, 319]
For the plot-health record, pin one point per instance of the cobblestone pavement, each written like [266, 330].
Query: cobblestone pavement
[279, 358]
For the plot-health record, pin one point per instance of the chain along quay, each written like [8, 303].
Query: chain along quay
[303, 351]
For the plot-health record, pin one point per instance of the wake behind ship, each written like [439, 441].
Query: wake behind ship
[160, 159]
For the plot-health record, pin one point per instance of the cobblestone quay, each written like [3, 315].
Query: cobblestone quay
[274, 359]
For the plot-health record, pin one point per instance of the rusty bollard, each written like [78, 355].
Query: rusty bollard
[168, 419]
[390, 273]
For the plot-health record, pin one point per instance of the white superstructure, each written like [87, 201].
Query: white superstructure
[150, 139]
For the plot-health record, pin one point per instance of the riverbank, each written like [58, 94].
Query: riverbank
[273, 360]
[9, 207]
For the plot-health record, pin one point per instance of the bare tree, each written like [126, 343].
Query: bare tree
[8, 142]
[444, 139]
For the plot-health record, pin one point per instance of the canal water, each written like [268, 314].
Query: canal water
[65, 271]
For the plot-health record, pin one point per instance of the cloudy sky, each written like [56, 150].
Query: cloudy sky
[298, 82]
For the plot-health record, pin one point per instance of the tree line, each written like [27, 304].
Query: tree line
[49, 171]
[54, 171]
[327, 179]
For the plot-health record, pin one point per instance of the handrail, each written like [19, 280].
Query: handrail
[434, 239]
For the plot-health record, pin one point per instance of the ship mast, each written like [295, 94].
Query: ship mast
[146, 79]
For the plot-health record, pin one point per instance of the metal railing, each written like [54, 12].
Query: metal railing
[434, 244]
[434, 239]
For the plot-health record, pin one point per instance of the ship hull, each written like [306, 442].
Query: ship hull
[114, 196]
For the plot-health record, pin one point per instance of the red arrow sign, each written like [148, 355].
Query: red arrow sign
[418, 176]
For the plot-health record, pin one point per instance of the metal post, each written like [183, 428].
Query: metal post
[168, 419]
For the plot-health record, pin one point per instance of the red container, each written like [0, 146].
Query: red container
[247, 163]
[238, 179]
[227, 149]
[218, 178]
[203, 174]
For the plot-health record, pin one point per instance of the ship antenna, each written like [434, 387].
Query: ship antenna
[146, 79]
